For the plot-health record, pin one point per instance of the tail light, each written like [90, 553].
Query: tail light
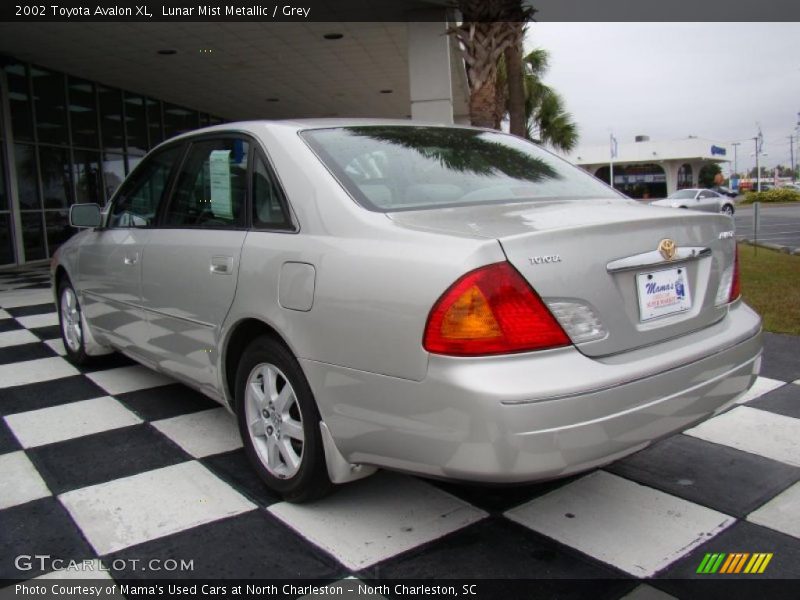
[729, 288]
[491, 310]
[736, 290]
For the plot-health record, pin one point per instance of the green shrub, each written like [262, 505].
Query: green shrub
[773, 195]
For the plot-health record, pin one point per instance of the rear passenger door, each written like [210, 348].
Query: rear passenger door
[191, 262]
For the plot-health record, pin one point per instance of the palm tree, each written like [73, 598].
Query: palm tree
[546, 121]
[488, 30]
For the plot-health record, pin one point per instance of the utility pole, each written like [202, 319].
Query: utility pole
[735, 166]
[791, 155]
[759, 139]
[613, 143]
[758, 165]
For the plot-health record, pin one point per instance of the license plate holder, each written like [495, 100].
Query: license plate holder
[663, 292]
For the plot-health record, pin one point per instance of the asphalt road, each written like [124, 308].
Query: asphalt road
[777, 224]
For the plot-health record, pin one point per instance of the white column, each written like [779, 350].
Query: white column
[696, 166]
[429, 71]
[671, 168]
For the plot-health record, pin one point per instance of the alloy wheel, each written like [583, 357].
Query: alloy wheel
[274, 420]
[71, 319]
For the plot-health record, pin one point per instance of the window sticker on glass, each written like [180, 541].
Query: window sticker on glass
[220, 175]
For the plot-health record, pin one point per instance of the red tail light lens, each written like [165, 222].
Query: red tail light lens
[491, 310]
[735, 286]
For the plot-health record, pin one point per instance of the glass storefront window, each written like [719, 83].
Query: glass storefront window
[58, 229]
[113, 173]
[6, 240]
[86, 171]
[56, 181]
[19, 101]
[5, 201]
[178, 120]
[50, 104]
[83, 113]
[154, 122]
[74, 140]
[136, 126]
[132, 162]
[25, 166]
[111, 118]
[33, 236]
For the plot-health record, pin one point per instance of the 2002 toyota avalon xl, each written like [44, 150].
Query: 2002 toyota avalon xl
[446, 301]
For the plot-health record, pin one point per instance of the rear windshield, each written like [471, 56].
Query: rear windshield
[391, 168]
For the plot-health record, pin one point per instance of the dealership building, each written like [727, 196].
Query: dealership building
[81, 103]
[651, 169]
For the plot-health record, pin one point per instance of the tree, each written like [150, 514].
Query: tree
[489, 27]
[707, 175]
[546, 120]
[504, 83]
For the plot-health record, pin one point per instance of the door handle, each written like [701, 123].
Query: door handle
[131, 259]
[222, 265]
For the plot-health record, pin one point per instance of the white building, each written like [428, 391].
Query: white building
[648, 169]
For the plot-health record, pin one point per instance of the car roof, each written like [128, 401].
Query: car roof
[255, 126]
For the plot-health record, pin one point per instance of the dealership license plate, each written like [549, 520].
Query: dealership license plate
[663, 293]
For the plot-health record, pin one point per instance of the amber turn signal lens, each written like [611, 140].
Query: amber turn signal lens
[491, 310]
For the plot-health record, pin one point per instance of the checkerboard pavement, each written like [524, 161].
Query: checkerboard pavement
[119, 462]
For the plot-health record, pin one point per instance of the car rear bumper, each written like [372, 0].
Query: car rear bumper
[539, 415]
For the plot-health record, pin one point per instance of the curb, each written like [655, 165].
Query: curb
[776, 247]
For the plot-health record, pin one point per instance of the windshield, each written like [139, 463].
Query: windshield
[683, 194]
[391, 168]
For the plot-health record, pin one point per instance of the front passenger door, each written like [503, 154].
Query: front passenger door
[191, 262]
[707, 201]
[111, 257]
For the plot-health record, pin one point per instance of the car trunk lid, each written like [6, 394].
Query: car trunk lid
[601, 254]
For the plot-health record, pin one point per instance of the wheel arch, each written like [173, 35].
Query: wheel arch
[241, 334]
[59, 276]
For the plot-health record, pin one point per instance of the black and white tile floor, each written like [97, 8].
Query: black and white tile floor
[120, 462]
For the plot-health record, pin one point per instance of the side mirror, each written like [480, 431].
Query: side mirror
[85, 215]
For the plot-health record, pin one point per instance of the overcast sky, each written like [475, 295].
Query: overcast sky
[672, 80]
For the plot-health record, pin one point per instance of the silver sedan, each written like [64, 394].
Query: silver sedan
[698, 199]
[447, 301]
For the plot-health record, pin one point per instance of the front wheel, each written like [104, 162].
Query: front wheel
[728, 210]
[71, 324]
[279, 422]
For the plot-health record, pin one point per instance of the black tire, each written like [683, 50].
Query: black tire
[269, 428]
[727, 209]
[69, 317]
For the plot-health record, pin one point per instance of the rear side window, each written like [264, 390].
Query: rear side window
[269, 203]
[211, 189]
[136, 205]
[390, 168]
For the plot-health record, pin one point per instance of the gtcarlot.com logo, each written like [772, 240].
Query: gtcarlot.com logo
[45, 562]
[734, 563]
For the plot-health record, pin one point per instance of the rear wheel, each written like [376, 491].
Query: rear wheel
[728, 209]
[279, 422]
[71, 324]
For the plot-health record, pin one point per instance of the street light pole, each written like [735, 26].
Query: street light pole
[735, 167]
[758, 166]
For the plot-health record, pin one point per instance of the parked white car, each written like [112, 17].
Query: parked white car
[698, 199]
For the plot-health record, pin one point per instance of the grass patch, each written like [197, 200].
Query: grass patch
[771, 285]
